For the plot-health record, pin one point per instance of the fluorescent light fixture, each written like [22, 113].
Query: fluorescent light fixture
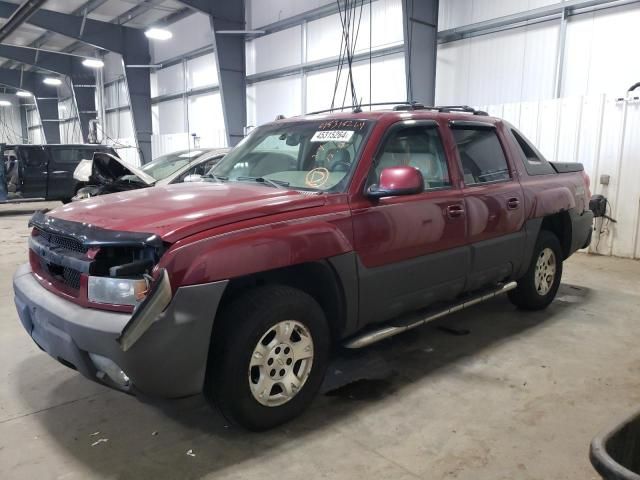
[52, 81]
[22, 93]
[5, 103]
[93, 63]
[158, 34]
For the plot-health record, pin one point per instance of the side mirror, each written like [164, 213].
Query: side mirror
[395, 181]
[192, 178]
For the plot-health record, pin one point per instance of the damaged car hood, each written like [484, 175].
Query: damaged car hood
[107, 168]
[176, 211]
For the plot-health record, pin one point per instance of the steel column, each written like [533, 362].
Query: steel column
[420, 26]
[229, 50]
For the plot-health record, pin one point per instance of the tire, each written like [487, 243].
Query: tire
[255, 328]
[533, 292]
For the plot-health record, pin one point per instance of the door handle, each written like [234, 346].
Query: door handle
[455, 211]
[513, 203]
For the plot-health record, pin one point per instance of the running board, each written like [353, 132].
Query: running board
[373, 336]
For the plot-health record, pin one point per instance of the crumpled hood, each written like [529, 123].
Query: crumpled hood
[107, 168]
[177, 211]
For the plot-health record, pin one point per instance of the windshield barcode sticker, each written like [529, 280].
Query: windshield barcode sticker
[332, 136]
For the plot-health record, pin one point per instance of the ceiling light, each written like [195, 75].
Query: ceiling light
[52, 81]
[158, 34]
[5, 103]
[93, 63]
[22, 93]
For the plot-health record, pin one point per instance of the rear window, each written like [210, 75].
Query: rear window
[481, 155]
[534, 162]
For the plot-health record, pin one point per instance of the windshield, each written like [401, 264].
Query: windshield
[310, 155]
[170, 163]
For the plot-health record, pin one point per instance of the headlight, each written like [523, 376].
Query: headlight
[117, 291]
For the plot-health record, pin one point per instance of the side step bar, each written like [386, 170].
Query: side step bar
[373, 336]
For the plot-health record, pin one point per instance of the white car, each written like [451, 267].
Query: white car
[107, 173]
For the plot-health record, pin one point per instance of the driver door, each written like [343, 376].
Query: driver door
[412, 249]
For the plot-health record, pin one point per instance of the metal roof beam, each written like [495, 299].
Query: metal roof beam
[230, 55]
[20, 15]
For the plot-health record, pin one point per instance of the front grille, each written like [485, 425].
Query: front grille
[71, 278]
[63, 242]
[65, 275]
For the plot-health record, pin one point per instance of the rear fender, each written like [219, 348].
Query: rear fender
[553, 200]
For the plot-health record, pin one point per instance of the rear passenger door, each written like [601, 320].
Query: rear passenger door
[493, 202]
[412, 249]
[64, 161]
[33, 171]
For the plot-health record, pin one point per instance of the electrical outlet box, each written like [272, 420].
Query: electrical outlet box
[604, 179]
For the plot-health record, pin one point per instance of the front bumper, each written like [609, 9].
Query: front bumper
[168, 361]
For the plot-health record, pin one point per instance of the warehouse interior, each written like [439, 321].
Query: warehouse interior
[486, 392]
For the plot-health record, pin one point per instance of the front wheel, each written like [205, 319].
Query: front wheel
[269, 356]
[538, 287]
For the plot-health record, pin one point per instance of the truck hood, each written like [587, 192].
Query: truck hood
[176, 211]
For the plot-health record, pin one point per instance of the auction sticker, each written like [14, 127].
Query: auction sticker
[332, 136]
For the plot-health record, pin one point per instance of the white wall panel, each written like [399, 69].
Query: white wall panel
[325, 34]
[387, 76]
[509, 66]
[264, 12]
[599, 46]
[170, 79]
[202, 71]
[10, 122]
[171, 117]
[189, 34]
[455, 13]
[206, 120]
[266, 100]
[277, 50]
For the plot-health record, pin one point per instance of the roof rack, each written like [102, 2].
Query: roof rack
[358, 108]
[460, 108]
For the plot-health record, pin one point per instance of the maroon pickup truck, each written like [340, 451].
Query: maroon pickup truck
[315, 232]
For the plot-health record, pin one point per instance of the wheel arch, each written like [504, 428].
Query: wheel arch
[560, 225]
[331, 282]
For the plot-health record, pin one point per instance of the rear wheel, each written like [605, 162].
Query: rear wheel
[538, 287]
[268, 358]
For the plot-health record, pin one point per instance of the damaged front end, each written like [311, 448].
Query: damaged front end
[97, 301]
[101, 269]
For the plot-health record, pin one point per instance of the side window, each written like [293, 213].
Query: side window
[34, 157]
[419, 147]
[534, 162]
[69, 156]
[203, 167]
[481, 155]
[527, 150]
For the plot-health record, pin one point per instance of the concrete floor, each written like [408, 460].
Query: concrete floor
[519, 397]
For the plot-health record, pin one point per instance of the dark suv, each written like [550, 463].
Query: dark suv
[44, 172]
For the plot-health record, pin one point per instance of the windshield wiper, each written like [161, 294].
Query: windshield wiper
[266, 181]
[217, 178]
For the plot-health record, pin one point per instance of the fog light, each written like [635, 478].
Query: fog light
[109, 368]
